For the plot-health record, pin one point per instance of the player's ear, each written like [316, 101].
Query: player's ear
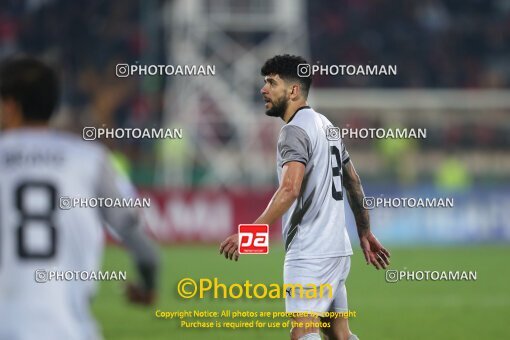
[294, 91]
[10, 113]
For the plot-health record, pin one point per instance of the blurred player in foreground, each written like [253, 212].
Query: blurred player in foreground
[37, 167]
[311, 168]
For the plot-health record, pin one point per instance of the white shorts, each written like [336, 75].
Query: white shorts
[314, 274]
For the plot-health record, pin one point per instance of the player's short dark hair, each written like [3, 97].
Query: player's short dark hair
[32, 84]
[286, 66]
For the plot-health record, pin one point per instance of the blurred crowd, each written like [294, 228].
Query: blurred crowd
[434, 43]
[84, 41]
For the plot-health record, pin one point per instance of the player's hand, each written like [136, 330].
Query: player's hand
[374, 252]
[229, 247]
[136, 294]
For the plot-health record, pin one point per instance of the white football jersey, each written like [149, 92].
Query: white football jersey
[37, 167]
[314, 226]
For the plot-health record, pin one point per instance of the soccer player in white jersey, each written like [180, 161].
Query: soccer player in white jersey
[37, 166]
[311, 171]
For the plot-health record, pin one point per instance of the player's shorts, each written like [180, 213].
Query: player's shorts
[316, 276]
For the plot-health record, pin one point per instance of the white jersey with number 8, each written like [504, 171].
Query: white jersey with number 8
[37, 168]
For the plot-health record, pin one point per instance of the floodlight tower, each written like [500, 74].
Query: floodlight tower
[222, 115]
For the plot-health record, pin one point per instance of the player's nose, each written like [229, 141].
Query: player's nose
[263, 90]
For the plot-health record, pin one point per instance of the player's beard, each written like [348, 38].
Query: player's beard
[278, 109]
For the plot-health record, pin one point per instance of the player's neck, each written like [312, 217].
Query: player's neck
[292, 109]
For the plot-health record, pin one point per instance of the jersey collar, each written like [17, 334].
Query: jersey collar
[301, 108]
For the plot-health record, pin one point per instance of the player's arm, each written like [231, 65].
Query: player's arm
[294, 153]
[288, 191]
[373, 251]
[126, 225]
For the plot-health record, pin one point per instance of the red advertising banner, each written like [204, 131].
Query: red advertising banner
[209, 215]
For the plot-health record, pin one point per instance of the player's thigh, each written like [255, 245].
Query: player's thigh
[339, 303]
[302, 326]
[338, 325]
[338, 328]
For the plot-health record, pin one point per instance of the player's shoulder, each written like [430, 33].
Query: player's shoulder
[85, 150]
[74, 141]
[52, 139]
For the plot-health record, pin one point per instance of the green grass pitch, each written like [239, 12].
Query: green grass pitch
[403, 310]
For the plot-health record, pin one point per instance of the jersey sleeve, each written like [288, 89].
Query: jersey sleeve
[112, 184]
[294, 145]
[125, 222]
[345, 154]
